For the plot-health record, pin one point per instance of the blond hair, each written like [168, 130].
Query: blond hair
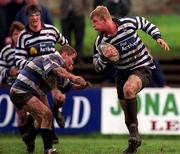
[101, 12]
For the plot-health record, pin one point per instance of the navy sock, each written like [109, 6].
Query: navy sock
[22, 130]
[47, 138]
[33, 132]
[131, 107]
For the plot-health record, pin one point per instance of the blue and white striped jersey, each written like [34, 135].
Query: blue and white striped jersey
[6, 61]
[37, 77]
[33, 44]
[133, 53]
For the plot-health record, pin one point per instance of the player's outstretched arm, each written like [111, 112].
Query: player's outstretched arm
[163, 44]
[76, 80]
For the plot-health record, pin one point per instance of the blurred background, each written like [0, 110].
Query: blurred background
[97, 110]
[163, 13]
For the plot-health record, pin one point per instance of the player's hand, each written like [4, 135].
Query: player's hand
[79, 81]
[109, 51]
[163, 44]
[14, 71]
[88, 84]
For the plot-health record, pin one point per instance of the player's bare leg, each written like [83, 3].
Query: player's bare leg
[43, 116]
[58, 99]
[22, 120]
[130, 89]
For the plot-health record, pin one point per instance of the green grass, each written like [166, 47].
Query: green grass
[170, 30]
[94, 144]
[168, 25]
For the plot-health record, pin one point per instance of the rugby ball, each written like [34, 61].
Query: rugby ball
[107, 46]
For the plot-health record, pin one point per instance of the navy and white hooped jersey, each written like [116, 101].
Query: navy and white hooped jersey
[133, 53]
[37, 76]
[6, 61]
[33, 44]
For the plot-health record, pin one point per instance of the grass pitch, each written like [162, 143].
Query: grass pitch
[94, 144]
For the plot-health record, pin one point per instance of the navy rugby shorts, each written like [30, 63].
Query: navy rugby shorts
[144, 73]
[20, 99]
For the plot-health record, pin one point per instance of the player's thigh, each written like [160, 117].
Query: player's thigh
[138, 79]
[36, 108]
[44, 99]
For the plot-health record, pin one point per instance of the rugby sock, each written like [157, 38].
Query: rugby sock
[22, 129]
[131, 107]
[127, 125]
[47, 138]
[29, 122]
[54, 137]
[33, 132]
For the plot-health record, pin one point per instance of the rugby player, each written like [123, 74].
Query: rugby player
[135, 65]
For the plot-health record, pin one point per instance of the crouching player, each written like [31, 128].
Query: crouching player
[33, 83]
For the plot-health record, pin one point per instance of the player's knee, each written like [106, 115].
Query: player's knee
[60, 98]
[22, 117]
[47, 115]
[129, 92]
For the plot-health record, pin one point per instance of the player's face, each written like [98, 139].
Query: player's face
[15, 36]
[98, 24]
[69, 61]
[34, 20]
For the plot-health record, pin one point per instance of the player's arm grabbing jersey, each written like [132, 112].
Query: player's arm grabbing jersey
[6, 61]
[132, 51]
[32, 44]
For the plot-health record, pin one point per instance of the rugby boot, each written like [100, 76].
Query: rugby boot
[134, 140]
[51, 151]
[30, 145]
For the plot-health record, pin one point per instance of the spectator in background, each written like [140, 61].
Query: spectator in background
[97, 2]
[72, 18]
[11, 10]
[118, 8]
[3, 22]
[8, 70]
[45, 14]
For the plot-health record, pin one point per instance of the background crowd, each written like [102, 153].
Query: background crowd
[72, 18]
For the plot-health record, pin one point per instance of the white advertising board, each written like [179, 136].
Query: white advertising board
[158, 111]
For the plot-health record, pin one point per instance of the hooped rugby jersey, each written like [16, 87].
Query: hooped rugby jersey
[133, 53]
[33, 44]
[37, 76]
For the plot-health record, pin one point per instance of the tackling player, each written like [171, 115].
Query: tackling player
[40, 76]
